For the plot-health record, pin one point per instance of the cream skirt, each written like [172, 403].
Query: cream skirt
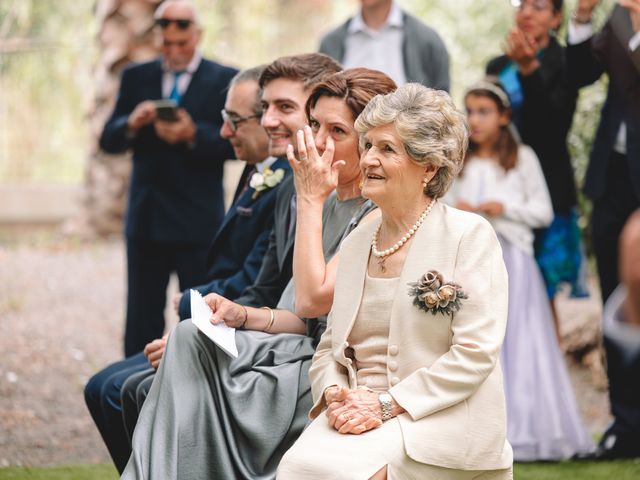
[321, 453]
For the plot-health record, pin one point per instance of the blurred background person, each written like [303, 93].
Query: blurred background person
[533, 71]
[176, 200]
[382, 36]
[503, 181]
[613, 174]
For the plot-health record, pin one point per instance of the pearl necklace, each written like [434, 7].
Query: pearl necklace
[382, 255]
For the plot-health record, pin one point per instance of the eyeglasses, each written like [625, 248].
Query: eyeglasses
[537, 5]
[235, 120]
[181, 23]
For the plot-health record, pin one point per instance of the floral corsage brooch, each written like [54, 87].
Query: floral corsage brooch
[432, 294]
[265, 180]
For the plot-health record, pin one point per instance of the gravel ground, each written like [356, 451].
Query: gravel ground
[61, 320]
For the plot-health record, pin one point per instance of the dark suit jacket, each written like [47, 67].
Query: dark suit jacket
[176, 191]
[237, 251]
[545, 119]
[276, 269]
[609, 51]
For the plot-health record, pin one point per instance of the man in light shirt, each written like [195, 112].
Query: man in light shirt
[613, 175]
[383, 37]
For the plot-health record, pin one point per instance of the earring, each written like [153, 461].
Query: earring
[424, 183]
[361, 184]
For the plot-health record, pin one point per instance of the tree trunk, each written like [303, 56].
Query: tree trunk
[125, 35]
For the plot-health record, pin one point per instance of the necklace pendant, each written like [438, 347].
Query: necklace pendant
[381, 264]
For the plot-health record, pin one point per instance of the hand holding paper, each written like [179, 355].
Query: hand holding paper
[220, 334]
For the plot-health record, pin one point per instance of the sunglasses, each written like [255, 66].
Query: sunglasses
[234, 120]
[181, 23]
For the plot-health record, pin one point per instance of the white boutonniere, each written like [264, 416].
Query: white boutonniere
[265, 180]
[432, 294]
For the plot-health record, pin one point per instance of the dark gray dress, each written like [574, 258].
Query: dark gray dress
[208, 415]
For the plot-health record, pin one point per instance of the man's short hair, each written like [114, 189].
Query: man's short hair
[250, 75]
[308, 68]
[168, 3]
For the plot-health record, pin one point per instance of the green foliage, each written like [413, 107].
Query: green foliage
[80, 472]
[44, 136]
[47, 55]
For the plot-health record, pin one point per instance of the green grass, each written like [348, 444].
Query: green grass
[72, 472]
[618, 470]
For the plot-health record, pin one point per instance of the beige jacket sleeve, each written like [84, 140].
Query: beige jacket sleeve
[325, 371]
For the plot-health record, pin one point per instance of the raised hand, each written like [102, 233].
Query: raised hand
[584, 9]
[634, 12]
[522, 49]
[315, 175]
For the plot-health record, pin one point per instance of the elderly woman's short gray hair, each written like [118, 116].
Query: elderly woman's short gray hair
[432, 130]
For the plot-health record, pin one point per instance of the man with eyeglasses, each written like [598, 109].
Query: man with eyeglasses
[234, 258]
[176, 196]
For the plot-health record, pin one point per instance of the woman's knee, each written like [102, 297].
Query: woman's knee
[185, 335]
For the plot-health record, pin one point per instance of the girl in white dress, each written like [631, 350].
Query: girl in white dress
[503, 182]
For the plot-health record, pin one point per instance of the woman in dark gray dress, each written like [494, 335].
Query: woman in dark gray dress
[212, 416]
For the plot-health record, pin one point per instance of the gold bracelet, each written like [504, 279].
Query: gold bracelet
[272, 317]
[246, 317]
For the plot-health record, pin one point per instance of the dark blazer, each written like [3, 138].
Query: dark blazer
[545, 119]
[237, 251]
[276, 269]
[176, 193]
[609, 51]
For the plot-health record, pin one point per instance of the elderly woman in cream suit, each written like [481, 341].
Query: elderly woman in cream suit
[407, 372]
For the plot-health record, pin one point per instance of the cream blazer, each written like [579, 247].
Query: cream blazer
[443, 371]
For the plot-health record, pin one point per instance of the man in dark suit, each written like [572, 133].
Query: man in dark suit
[621, 329]
[234, 257]
[175, 196]
[613, 175]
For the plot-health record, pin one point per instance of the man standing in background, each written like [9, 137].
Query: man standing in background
[176, 195]
[612, 182]
[384, 37]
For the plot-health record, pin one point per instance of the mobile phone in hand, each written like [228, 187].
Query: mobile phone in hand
[166, 110]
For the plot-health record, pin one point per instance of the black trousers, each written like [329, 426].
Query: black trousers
[610, 213]
[134, 392]
[149, 266]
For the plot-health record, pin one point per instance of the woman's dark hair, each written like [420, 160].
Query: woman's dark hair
[356, 86]
[507, 146]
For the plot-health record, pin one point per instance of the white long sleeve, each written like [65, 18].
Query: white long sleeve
[533, 207]
[522, 190]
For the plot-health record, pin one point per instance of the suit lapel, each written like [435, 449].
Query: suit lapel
[623, 30]
[154, 89]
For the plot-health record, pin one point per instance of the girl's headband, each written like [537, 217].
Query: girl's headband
[490, 87]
